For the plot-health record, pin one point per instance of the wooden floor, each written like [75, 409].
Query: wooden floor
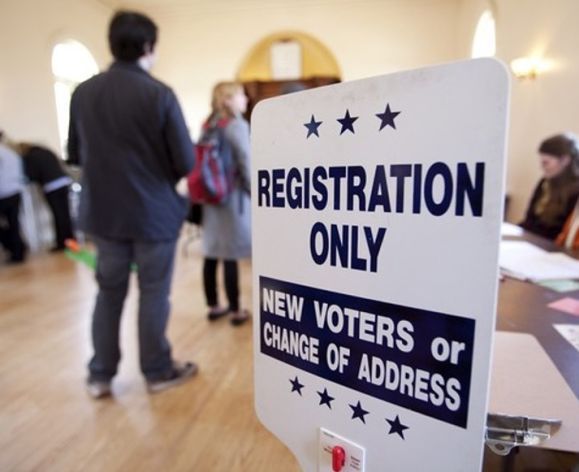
[48, 422]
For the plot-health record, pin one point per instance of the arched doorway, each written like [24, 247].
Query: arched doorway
[484, 40]
[285, 62]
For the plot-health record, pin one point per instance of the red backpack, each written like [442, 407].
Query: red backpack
[211, 180]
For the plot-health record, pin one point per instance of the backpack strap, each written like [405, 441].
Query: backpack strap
[215, 122]
[213, 132]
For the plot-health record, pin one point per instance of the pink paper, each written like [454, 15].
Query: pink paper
[568, 305]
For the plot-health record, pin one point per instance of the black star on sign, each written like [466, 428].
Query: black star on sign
[297, 386]
[347, 122]
[325, 398]
[358, 412]
[312, 127]
[387, 117]
[397, 427]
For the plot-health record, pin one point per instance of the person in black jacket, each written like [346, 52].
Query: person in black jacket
[556, 193]
[44, 168]
[128, 134]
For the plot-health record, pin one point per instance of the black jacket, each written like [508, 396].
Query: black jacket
[42, 166]
[128, 134]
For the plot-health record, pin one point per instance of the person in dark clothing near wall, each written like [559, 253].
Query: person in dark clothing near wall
[11, 186]
[44, 168]
[128, 134]
[556, 193]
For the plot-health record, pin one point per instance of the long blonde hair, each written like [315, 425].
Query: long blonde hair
[222, 92]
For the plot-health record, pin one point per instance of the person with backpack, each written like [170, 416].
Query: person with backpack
[227, 225]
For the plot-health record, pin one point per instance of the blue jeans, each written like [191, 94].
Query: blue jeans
[154, 262]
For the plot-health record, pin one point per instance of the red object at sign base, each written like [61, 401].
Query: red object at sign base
[338, 458]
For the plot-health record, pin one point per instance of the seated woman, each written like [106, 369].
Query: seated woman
[556, 193]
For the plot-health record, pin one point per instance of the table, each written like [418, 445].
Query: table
[522, 307]
[535, 370]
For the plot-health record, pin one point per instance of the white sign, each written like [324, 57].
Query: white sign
[286, 60]
[376, 217]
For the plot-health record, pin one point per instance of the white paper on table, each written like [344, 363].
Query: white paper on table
[527, 261]
[570, 332]
[509, 229]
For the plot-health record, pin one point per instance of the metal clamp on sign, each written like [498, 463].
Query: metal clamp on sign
[504, 432]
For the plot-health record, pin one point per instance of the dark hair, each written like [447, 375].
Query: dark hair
[129, 32]
[560, 145]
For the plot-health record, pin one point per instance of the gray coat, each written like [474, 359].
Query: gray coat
[227, 227]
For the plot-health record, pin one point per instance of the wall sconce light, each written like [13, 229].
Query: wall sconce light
[528, 67]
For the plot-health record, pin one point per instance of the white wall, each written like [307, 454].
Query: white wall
[204, 42]
[28, 31]
[539, 108]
